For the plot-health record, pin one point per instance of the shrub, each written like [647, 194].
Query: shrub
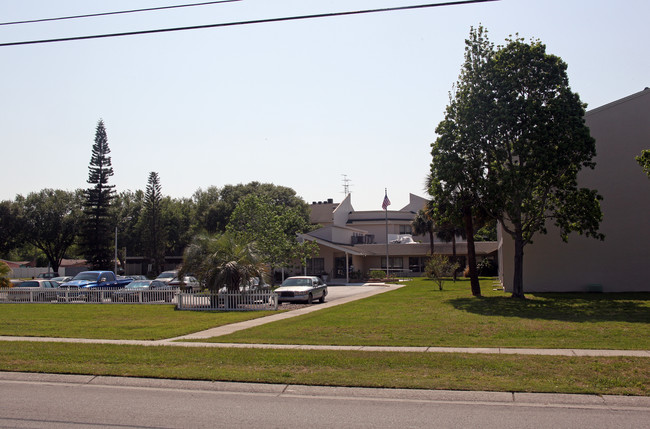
[488, 267]
[377, 274]
[439, 266]
[5, 271]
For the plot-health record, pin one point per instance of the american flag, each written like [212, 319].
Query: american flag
[386, 202]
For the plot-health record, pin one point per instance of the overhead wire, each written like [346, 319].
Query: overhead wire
[93, 15]
[250, 22]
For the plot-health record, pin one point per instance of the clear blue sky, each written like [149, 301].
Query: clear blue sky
[297, 104]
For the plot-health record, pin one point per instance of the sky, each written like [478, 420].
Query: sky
[304, 104]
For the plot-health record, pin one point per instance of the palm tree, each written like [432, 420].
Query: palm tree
[423, 224]
[221, 261]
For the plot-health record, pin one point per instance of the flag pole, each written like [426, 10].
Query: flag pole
[386, 217]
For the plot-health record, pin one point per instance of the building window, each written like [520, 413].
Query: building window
[417, 263]
[405, 229]
[315, 266]
[396, 262]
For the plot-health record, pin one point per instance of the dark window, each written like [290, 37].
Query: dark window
[395, 262]
[315, 266]
[416, 264]
[405, 229]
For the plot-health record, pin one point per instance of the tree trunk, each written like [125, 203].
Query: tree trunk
[431, 241]
[471, 251]
[518, 280]
[54, 264]
[454, 259]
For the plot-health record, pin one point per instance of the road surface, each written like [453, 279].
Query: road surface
[59, 401]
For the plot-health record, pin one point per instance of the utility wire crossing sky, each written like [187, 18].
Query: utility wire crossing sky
[316, 92]
[231, 24]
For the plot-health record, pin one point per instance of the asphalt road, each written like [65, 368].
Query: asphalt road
[58, 401]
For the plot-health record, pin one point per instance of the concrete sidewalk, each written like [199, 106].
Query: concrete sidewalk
[474, 350]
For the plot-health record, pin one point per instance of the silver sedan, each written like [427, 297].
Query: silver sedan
[303, 289]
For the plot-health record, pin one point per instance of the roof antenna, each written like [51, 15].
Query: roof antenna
[346, 184]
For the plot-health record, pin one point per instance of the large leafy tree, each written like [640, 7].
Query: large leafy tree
[127, 208]
[177, 220]
[213, 207]
[9, 227]
[49, 220]
[514, 138]
[272, 227]
[97, 237]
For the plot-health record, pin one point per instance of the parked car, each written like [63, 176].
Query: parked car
[189, 283]
[62, 279]
[302, 289]
[98, 280]
[48, 275]
[96, 285]
[36, 290]
[167, 276]
[145, 291]
[138, 277]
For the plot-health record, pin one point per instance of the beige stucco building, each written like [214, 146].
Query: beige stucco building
[620, 262]
[353, 243]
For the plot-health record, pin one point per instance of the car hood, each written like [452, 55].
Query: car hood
[294, 288]
[78, 283]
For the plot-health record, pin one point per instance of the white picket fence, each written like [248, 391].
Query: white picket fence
[73, 295]
[237, 301]
[242, 301]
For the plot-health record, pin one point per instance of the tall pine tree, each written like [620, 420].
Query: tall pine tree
[154, 231]
[97, 237]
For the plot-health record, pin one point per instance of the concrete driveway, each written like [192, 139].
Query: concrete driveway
[336, 295]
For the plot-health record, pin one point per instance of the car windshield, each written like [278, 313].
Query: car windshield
[85, 276]
[138, 284]
[157, 284]
[28, 284]
[296, 282]
[166, 275]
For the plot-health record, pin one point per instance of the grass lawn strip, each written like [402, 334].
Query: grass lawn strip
[111, 321]
[593, 375]
[419, 315]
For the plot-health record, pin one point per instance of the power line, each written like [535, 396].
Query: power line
[92, 15]
[257, 21]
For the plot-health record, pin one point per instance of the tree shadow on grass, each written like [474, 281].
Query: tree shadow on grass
[570, 307]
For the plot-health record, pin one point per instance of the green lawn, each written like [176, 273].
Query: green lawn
[114, 321]
[597, 375]
[415, 315]
[421, 315]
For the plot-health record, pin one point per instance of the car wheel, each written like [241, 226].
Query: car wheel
[322, 298]
[310, 298]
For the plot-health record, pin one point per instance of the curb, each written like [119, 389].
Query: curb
[556, 400]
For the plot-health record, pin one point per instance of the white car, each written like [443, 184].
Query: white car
[36, 290]
[302, 289]
[167, 276]
[189, 284]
